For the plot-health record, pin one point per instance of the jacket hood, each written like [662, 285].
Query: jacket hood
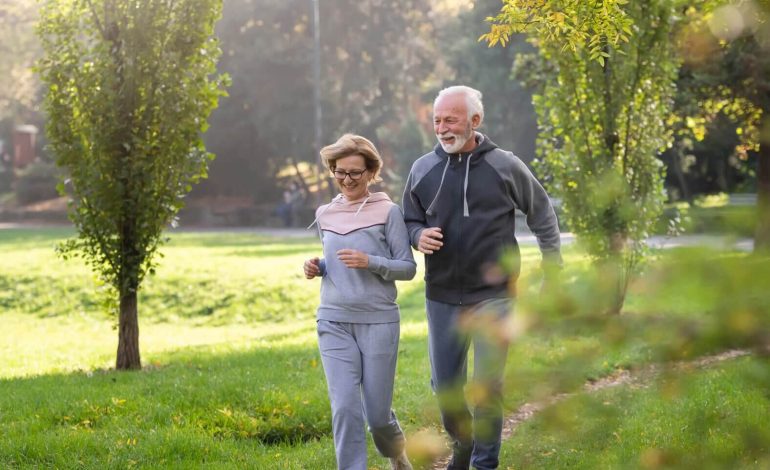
[483, 145]
[343, 216]
[344, 205]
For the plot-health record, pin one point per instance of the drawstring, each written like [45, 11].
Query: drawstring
[321, 213]
[362, 205]
[430, 207]
[466, 212]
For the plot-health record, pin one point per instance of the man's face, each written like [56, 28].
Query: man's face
[453, 129]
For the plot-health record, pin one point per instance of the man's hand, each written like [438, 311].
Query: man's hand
[551, 283]
[353, 258]
[312, 268]
[430, 240]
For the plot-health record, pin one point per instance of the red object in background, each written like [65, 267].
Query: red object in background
[23, 145]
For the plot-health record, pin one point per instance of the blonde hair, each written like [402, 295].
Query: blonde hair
[351, 144]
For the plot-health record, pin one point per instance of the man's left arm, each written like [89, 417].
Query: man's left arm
[532, 199]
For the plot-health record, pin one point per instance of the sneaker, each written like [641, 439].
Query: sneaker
[461, 458]
[400, 462]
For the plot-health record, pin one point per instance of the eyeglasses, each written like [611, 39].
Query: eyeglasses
[354, 175]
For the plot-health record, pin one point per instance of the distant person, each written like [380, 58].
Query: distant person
[365, 250]
[459, 207]
[292, 200]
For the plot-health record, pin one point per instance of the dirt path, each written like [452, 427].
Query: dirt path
[641, 377]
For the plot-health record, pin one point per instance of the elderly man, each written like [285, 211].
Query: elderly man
[459, 207]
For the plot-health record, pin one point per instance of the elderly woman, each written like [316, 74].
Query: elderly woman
[366, 249]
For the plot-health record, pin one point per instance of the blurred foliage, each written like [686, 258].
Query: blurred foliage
[20, 88]
[733, 220]
[19, 48]
[667, 402]
[687, 303]
[730, 74]
[702, 158]
[365, 88]
[604, 85]
[6, 179]
[36, 182]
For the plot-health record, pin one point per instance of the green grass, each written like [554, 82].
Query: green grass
[709, 419]
[232, 376]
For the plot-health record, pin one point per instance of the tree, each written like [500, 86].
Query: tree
[509, 119]
[130, 86]
[606, 69]
[730, 68]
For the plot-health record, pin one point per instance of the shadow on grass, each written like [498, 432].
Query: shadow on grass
[270, 395]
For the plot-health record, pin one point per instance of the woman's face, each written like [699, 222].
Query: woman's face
[346, 170]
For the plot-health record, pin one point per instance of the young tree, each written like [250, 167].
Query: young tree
[130, 86]
[607, 70]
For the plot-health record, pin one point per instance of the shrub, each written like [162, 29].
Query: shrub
[36, 182]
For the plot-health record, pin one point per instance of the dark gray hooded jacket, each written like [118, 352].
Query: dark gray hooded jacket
[472, 197]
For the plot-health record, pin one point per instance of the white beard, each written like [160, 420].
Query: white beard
[459, 142]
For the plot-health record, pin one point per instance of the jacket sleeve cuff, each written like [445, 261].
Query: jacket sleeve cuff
[322, 266]
[375, 264]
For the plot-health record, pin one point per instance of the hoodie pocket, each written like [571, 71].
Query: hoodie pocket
[495, 263]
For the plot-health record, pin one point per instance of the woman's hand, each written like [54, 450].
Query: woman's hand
[353, 258]
[312, 268]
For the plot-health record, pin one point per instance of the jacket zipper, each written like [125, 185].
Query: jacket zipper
[460, 241]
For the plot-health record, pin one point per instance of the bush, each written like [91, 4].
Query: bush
[709, 214]
[36, 182]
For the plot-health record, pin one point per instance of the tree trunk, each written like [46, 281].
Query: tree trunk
[128, 334]
[762, 234]
[616, 274]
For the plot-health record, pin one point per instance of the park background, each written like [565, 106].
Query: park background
[380, 66]
[231, 377]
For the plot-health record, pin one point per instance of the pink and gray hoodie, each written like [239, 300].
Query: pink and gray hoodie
[375, 226]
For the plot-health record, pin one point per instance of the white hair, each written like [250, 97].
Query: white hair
[472, 99]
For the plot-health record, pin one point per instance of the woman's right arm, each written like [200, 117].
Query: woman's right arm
[314, 267]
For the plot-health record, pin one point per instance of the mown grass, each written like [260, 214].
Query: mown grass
[232, 376]
[709, 419]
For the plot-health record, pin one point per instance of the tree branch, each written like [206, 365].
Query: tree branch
[99, 25]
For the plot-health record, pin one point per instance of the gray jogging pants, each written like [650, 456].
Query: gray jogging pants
[475, 436]
[359, 361]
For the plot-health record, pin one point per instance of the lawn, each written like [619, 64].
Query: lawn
[232, 375]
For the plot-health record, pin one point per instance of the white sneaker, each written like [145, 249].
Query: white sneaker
[401, 462]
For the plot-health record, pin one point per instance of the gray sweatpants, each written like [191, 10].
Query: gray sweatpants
[451, 330]
[359, 361]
